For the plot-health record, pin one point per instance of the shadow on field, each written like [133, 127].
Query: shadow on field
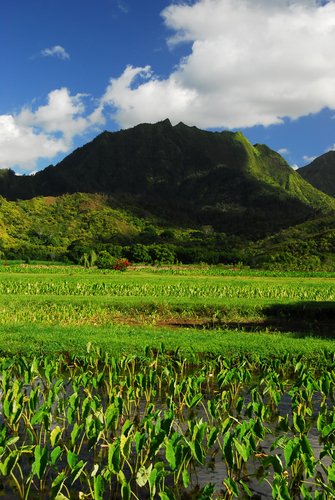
[302, 318]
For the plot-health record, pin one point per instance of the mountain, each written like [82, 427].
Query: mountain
[321, 173]
[307, 246]
[183, 176]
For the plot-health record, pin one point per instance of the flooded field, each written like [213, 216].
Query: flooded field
[163, 426]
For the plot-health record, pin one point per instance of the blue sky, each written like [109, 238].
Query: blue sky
[73, 68]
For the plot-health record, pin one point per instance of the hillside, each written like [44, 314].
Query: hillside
[307, 246]
[68, 227]
[321, 173]
[183, 176]
[71, 226]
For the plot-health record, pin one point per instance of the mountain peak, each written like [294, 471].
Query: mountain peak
[185, 175]
[321, 173]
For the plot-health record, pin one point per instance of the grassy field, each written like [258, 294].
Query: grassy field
[201, 309]
[182, 383]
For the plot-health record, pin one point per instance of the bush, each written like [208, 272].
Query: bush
[107, 261]
[162, 254]
[140, 253]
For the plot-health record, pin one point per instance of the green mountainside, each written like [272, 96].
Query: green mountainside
[70, 226]
[307, 246]
[321, 173]
[185, 175]
[167, 193]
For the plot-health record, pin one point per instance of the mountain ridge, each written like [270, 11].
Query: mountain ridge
[184, 174]
[321, 173]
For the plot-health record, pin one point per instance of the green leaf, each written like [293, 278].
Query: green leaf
[275, 461]
[231, 486]
[57, 485]
[207, 492]
[242, 449]
[331, 472]
[186, 478]
[99, 487]
[125, 491]
[12, 441]
[125, 443]
[212, 437]
[298, 422]
[126, 427]
[7, 466]
[40, 462]
[227, 449]
[152, 482]
[72, 458]
[140, 439]
[170, 455]
[195, 400]
[291, 452]
[164, 496]
[197, 452]
[77, 471]
[111, 417]
[55, 435]
[114, 456]
[246, 488]
[75, 433]
[54, 455]
[142, 475]
[212, 408]
[306, 446]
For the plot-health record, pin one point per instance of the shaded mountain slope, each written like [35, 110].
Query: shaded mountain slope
[307, 246]
[183, 175]
[321, 173]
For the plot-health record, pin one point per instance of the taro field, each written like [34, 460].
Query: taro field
[180, 383]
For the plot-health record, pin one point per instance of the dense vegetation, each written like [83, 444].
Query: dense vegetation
[183, 176]
[109, 388]
[49, 306]
[80, 228]
[167, 381]
[159, 426]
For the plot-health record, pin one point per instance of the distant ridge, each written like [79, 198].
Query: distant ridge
[185, 176]
[321, 173]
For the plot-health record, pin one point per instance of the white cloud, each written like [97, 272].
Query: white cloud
[150, 101]
[308, 159]
[46, 131]
[55, 51]
[283, 151]
[252, 62]
[122, 6]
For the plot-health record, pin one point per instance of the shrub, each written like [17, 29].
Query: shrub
[122, 264]
[162, 254]
[107, 261]
[140, 253]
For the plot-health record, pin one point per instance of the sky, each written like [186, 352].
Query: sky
[71, 69]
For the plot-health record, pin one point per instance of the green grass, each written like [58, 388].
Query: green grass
[123, 339]
[63, 308]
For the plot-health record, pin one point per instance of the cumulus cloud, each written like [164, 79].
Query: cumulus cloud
[46, 131]
[283, 151]
[251, 62]
[55, 51]
[308, 159]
